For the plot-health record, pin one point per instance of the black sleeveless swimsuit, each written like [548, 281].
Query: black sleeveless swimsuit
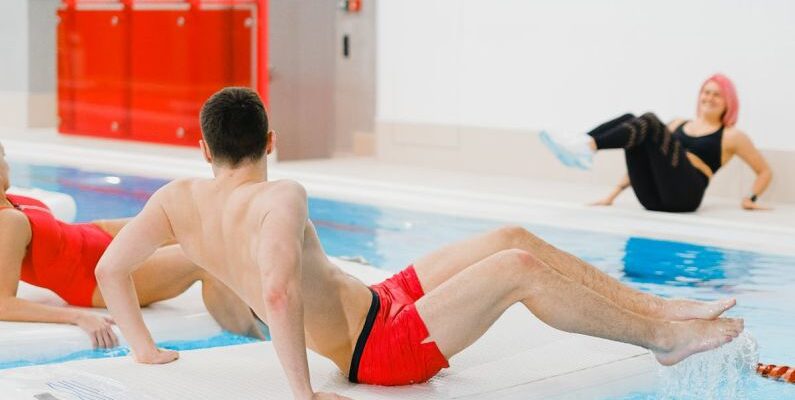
[662, 176]
[708, 148]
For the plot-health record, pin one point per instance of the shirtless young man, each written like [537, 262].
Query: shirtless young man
[254, 236]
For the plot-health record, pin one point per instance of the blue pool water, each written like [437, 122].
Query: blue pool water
[222, 339]
[391, 238]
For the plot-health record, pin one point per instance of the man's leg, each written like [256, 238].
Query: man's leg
[441, 265]
[455, 321]
[168, 273]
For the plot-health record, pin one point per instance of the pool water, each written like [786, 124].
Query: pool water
[222, 339]
[390, 239]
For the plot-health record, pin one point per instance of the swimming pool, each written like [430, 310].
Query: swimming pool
[391, 238]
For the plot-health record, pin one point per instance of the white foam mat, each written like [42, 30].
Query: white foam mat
[182, 318]
[519, 357]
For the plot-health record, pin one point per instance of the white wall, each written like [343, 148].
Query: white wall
[570, 64]
[13, 62]
[42, 23]
[27, 63]
[13, 45]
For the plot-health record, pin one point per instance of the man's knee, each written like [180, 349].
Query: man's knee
[513, 235]
[520, 262]
[200, 274]
[521, 271]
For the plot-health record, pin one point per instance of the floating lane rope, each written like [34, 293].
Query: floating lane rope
[776, 372]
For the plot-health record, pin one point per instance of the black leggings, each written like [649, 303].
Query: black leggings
[660, 172]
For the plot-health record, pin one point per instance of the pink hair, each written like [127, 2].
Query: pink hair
[729, 94]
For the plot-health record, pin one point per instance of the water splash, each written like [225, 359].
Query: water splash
[723, 373]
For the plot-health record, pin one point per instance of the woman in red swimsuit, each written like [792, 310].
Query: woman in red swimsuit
[38, 249]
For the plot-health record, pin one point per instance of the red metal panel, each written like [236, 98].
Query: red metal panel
[65, 89]
[92, 71]
[244, 39]
[263, 78]
[226, 32]
[211, 41]
[143, 70]
[160, 83]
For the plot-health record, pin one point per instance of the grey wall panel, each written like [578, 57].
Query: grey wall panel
[301, 41]
[355, 76]
[13, 45]
[42, 22]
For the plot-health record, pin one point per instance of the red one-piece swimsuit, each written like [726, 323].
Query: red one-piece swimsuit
[61, 256]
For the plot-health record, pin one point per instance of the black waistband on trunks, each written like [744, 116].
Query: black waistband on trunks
[375, 305]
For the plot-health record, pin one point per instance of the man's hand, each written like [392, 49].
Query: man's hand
[134, 243]
[99, 329]
[751, 206]
[328, 396]
[156, 356]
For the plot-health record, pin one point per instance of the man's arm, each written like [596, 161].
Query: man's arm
[136, 242]
[279, 258]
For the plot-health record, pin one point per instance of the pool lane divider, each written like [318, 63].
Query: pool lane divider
[776, 372]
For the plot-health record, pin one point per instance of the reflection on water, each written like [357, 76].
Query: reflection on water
[222, 339]
[676, 263]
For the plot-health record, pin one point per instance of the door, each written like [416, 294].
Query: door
[302, 58]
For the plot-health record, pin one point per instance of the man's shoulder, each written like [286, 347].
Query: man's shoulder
[177, 187]
[283, 188]
[282, 193]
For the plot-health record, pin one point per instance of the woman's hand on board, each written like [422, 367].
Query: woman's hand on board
[99, 328]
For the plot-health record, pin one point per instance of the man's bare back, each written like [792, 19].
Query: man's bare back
[220, 227]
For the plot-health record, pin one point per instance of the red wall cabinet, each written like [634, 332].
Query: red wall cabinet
[140, 70]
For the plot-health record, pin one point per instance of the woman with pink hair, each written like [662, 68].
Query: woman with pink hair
[669, 166]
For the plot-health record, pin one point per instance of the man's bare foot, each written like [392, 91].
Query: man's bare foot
[686, 338]
[683, 309]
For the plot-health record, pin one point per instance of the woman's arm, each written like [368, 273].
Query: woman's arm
[608, 201]
[745, 149]
[14, 238]
[98, 327]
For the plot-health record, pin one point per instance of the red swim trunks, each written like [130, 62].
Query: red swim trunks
[389, 350]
